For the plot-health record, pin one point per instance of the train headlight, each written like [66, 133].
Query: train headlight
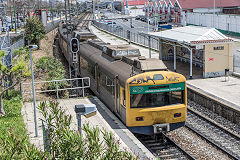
[139, 118]
[177, 115]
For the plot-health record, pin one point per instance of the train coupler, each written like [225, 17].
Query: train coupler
[161, 128]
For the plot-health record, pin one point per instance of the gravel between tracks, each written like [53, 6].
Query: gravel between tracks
[226, 123]
[195, 145]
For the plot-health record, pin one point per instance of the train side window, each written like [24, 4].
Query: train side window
[107, 83]
[91, 69]
[110, 84]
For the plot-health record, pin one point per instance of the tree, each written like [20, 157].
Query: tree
[15, 72]
[34, 30]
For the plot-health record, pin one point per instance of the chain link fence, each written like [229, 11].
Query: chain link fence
[136, 37]
[20, 42]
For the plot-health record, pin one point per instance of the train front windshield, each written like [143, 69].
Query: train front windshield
[156, 96]
[157, 99]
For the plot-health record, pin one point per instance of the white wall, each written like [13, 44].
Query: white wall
[224, 22]
[206, 10]
[135, 12]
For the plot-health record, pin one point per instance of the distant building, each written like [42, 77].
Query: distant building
[134, 7]
[176, 10]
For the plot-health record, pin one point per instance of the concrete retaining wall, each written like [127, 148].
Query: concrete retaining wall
[215, 104]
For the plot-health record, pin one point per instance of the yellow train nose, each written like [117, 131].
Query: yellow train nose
[167, 114]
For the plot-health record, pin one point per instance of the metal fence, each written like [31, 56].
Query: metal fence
[77, 84]
[136, 37]
[19, 43]
[236, 62]
[52, 25]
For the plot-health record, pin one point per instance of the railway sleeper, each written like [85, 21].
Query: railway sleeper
[171, 155]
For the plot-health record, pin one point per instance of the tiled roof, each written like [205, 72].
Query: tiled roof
[135, 2]
[190, 4]
[172, 2]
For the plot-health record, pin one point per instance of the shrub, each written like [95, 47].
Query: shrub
[54, 69]
[64, 143]
[68, 144]
[34, 30]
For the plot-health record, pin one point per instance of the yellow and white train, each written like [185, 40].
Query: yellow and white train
[140, 91]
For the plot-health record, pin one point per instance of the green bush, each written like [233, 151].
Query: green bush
[68, 144]
[134, 7]
[34, 30]
[54, 69]
[64, 143]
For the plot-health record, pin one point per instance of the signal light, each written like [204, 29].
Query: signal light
[74, 44]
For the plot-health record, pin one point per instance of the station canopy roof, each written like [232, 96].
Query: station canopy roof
[192, 35]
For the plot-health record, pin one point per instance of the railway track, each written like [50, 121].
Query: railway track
[164, 147]
[218, 136]
[82, 23]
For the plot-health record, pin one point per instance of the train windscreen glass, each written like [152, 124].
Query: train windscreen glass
[156, 96]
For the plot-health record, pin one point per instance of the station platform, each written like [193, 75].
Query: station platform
[104, 119]
[226, 89]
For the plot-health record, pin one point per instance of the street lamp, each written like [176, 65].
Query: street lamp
[33, 90]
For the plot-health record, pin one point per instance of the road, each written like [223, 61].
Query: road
[138, 26]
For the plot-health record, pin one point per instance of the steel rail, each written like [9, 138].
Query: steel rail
[209, 140]
[169, 140]
[214, 123]
[179, 147]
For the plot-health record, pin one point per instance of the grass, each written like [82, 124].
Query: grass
[13, 119]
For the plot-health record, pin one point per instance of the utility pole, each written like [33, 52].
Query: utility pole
[33, 90]
[14, 6]
[148, 16]
[11, 14]
[213, 12]
[93, 9]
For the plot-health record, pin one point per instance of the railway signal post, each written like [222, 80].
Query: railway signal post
[74, 44]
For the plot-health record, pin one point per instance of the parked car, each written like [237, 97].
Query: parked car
[162, 22]
[144, 19]
[110, 22]
[118, 27]
[138, 17]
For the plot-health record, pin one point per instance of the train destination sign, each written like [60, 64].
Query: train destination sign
[157, 88]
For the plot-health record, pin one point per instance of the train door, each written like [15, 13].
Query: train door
[123, 104]
[97, 77]
[117, 95]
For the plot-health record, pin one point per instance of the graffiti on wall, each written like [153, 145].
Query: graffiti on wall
[213, 74]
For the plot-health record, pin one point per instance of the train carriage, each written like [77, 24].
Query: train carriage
[143, 94]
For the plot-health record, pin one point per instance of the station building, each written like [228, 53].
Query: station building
[204, 47]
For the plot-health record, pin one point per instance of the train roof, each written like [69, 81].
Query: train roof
[111, 68]
[121, 47]
[80, 34]
[125, 67]
[143, 64]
